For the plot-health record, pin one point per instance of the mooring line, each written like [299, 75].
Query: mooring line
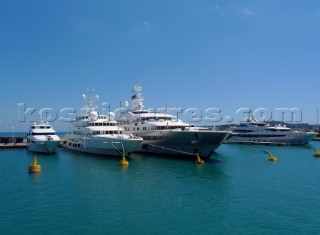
[172, 149]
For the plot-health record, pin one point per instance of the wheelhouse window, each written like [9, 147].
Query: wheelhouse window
[50, 133]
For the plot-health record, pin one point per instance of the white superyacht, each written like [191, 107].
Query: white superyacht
[99, 134]
[163, 133]
[254, 131]
[42, 138]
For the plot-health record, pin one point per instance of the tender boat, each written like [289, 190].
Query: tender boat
[42, 138]
[96, 133]
[163, 133]
[254, 131]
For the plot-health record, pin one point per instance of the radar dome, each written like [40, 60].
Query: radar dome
[93, 116]
[111, 116]
[126, 104]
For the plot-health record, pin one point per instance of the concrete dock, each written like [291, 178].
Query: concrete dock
[15, 142]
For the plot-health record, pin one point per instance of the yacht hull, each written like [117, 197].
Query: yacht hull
[108, 146]
[298, 138]
[181, 143]
[48, 147]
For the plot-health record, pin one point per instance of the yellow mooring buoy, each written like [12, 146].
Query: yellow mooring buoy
[316, 153]
[34, 167]
[199, 161]
[271, 157]
[123, 161]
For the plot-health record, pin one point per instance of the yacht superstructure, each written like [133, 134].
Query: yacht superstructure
[42, 138]
[96, 133]
[256, 132]
[163, 133]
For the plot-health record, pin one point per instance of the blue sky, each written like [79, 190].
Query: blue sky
[196, 53]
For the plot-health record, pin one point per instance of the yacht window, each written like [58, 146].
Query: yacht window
[52, 133]
[41, 127]
[243, 131]
[270, 129]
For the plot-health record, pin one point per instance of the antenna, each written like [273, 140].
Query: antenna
[89, 101]
[40, 118]
[109, 111]
[317, 118]
[179, 111]
[166, 109]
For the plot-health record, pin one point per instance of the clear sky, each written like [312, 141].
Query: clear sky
[184, 53]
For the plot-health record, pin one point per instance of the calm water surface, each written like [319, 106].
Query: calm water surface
[238, 192]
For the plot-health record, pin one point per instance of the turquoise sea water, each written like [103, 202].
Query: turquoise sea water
[238, 192]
